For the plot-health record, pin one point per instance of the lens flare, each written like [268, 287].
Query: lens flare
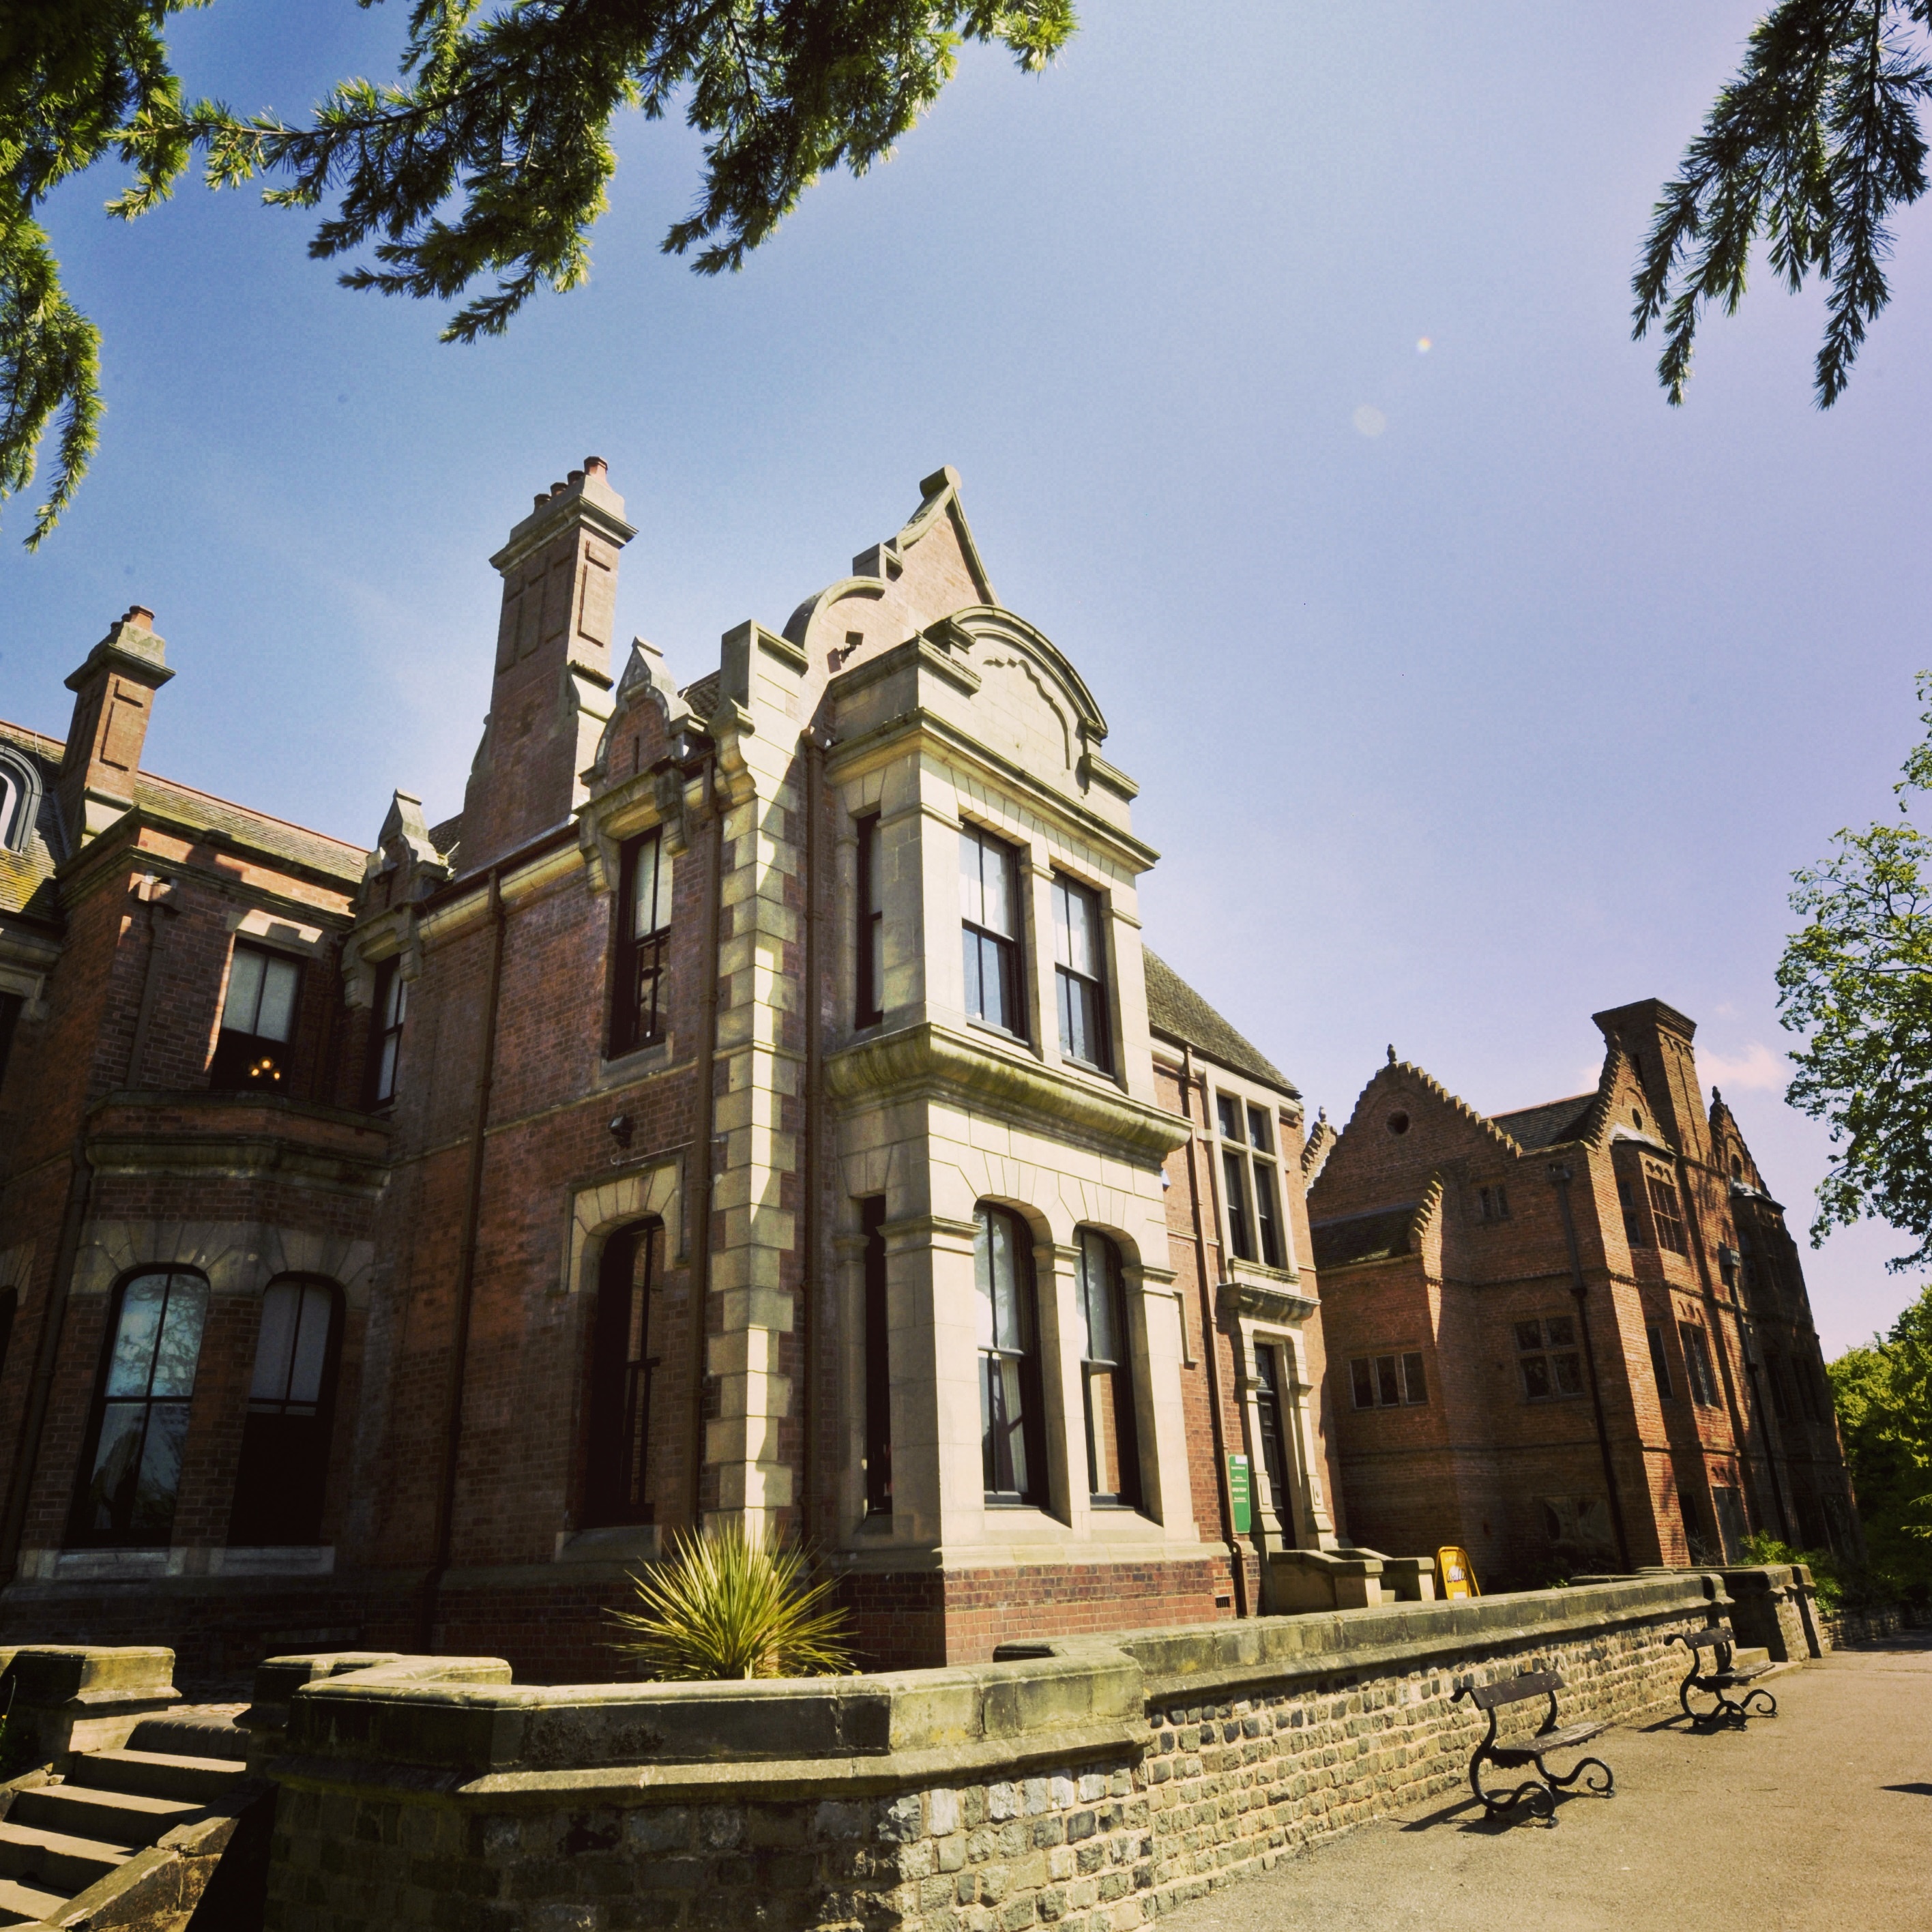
[1423, 345]
[1370, 420]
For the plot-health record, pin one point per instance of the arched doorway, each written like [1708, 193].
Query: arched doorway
[616, 1478]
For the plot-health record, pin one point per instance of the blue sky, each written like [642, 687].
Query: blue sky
[1470, 690]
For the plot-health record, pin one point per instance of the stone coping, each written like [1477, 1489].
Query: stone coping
[401, 1729]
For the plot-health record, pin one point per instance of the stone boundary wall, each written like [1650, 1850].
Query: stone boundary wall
[1086, 1783]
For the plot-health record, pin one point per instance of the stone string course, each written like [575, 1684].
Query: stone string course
[1129, 1777]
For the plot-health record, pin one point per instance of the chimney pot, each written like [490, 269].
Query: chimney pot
[542, 499]
[576, 479]
[556, 489]
[595, 465]
[140, 616]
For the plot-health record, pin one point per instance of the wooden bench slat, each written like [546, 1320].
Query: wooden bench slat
[1514, 1690]
[1525, 1750]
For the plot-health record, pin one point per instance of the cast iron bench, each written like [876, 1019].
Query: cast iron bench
[1719, 1677]
[1536, 1792]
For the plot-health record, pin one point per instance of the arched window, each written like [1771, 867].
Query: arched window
[131, 1473]
[284, 1470]
[615, 1489]
[19, 801]
[1113, 1461]
[1013, 1449]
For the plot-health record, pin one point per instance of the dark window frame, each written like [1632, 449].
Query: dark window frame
[878, 1405]
[1008, 952]
[274, 1462]
[1395, 1378]
[385, 1031]
[1699, 1369]
[1250, 1180]
[1271, 1429]
[1550, 1369]
[1001, 1385]
[1118, 1369]
[1666, 1213]
[640, 1015]
[1659, 1360]
[1082, 993]
[619, 1372]
[868, 1007]
[1492, 1204]
[247, 1061]
[81, 1534]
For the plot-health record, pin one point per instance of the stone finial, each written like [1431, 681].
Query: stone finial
[405, 821]
[1391, 1053]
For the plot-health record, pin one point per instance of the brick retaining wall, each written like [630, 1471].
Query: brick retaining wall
[1087, 1784]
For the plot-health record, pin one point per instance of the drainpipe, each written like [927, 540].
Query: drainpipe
[1210, 1331]
[1559, 1173]
[466, 1279]
[158, 893]
[46, 1356]
[811, 1008]
[699, 1182]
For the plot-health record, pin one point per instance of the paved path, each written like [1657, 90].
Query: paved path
[1819, 1819]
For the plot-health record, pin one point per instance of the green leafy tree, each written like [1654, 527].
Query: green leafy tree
[1857, 980]
[483, 170]
[1810, 148]
[725, 1605]
[1883, 1395]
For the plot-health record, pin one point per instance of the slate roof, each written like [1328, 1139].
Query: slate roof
[180, 805]
[702, 697]
[1374, 1236]
[1555, 1120]
[1177, 1013]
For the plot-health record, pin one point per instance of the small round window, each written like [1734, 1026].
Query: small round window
[1398, 1124]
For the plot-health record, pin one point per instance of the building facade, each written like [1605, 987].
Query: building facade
[1574, 1337]
[755, 1105]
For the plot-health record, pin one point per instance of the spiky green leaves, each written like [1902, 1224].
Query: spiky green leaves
[488, 165]
[725, 1605]
[1810, 148]
[1858, 979]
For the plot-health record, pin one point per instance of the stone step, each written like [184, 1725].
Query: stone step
[53, 1859]
[1746, 1655]
[119, 1817]
[157, 1774]
[28, 1904]
[193, 1730]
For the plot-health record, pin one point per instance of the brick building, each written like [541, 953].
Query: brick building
[756, 1103]
[1573, 1337]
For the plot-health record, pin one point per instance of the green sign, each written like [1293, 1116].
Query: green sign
[1237, 1494]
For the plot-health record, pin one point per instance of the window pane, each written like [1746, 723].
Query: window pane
[278, 999]
[1535, 1376]
[1258, 1128]
[1414, 1389]
[644, 917]
[972, 891]
[133, 1359]
[1075, 928]
[1528, 1335]
[1561, 1330]
[397, 1003]
[159, 1479]
[1265, 1215]
[1005, 1433]
[244, 991]
[180, 1336]
[985, 1326]
[110, 1486]
[385, 1069]
[311, 1352]
[1386, 1390]
[281, 1308]
[1569, 1374]
[1659, 1366]
[976, 988]
[1100, 1290]
[1365, 1387]
[1079, 1019]
[1230, 1111]
[1234, 1171]
[996, 868]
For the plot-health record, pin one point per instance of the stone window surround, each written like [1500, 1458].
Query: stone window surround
[1068, 1522]
[239, 1259]
[1282, 1115]
[1254, 1316]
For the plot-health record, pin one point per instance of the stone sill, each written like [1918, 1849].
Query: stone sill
[114, 1566]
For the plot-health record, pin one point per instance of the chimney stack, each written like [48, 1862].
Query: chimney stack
[114, 693]
[552, 693]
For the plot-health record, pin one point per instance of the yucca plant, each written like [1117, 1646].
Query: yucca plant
[728, 1605]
